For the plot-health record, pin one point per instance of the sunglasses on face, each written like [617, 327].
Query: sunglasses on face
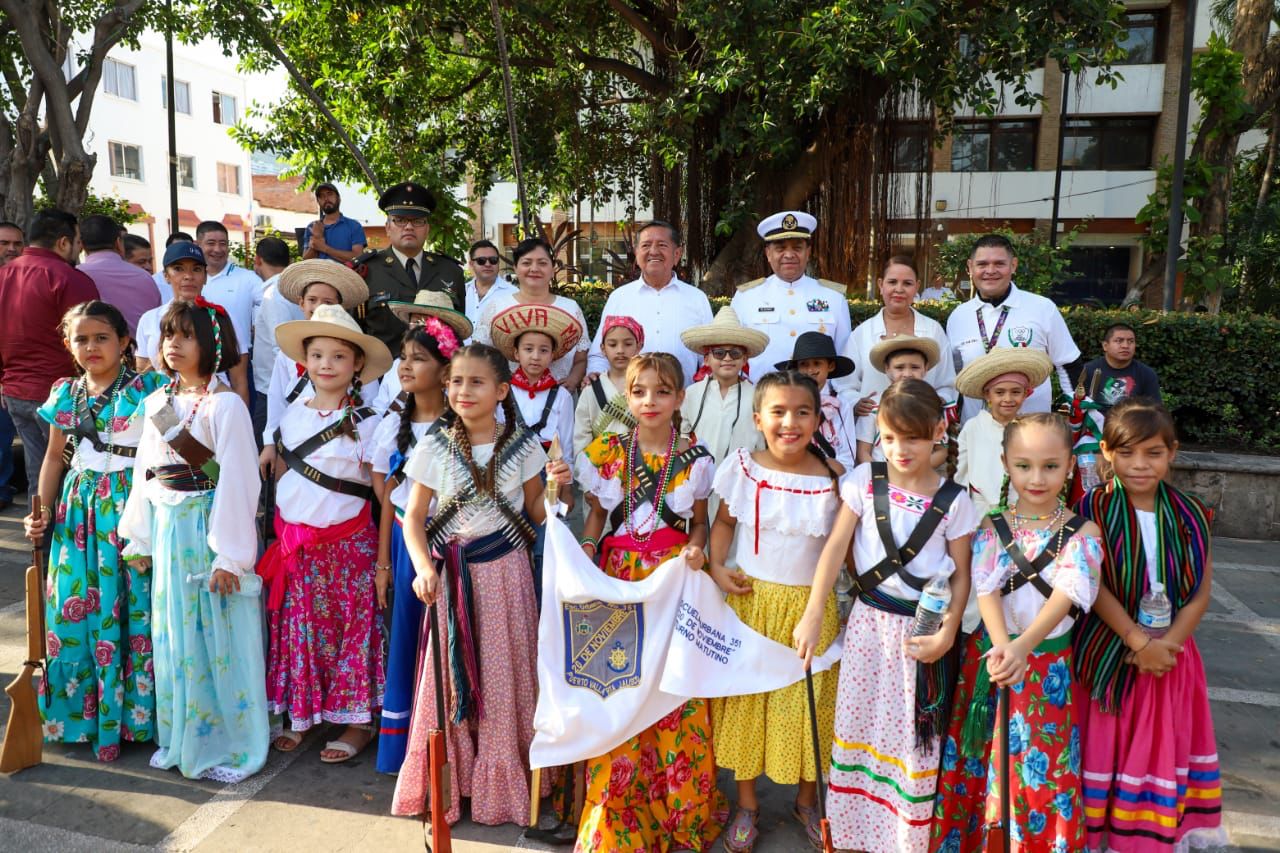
[728, 353]
[485, 261]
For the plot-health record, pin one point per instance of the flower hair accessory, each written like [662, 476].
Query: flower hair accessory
[444, 335]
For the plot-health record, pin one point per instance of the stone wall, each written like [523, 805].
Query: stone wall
[1243, 491]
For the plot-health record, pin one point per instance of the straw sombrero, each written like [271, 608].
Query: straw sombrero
[1031, 363]
[556, 323]
[350, 286]
[725, 330]
[927, 347]
[331, 321]
[433, 303]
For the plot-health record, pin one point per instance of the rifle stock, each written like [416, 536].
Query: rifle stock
[24, 735]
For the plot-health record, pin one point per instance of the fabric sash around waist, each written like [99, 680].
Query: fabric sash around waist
[181, 478]
[979, 721]
[284, 556]
[663, 539]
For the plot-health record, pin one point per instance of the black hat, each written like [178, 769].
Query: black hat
[407, 199]
[325, 185]
[817, 345]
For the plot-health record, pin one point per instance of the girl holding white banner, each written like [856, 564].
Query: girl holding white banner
[908, 526]
[782, 500]
[484, 474]
[657, 790]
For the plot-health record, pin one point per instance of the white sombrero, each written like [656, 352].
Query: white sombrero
[350, 286]
[562, 327]
[978, 374]
[927, 347]
[331, 321]
[725, 330]
[433, 303]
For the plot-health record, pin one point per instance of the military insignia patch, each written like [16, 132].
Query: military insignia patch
[818, 305]
[789, 222]
[1021, 336]
[602, 644]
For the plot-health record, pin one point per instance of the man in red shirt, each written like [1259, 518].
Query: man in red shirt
[36, 290]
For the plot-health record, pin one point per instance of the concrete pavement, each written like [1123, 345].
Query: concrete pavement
[73, 803]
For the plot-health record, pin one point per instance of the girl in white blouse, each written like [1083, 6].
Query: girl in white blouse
[190, 517]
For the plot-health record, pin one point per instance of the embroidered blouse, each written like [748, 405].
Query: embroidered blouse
[125, 412]
[1075, 571]
[599, 471]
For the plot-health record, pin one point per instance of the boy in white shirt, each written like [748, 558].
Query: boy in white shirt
[534, 342]
[717, 408]
[898, 357]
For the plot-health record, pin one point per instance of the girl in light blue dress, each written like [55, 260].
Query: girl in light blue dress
[191, 517]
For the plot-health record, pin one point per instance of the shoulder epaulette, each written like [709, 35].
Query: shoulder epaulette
[742, 288]
[833, 285]
[436, 256]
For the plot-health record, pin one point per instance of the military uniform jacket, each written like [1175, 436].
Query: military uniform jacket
[785, 310]
[388, 281]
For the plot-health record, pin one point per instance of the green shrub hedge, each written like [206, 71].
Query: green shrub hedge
[1220, 375]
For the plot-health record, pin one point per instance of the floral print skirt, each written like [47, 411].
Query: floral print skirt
[211, 706]
[98, 619]
[959, 810]
[327, 646]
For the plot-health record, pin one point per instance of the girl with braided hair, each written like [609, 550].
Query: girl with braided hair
[657, 790]
[188, 521]
[325, 659]
[422, 369]
[472, 563]
[776, 509]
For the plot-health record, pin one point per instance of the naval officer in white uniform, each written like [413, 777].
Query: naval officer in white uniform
[790, 302]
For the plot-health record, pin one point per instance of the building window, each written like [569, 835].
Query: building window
[993, 146]
[126, 160]
[1143, 37]
[228, 179]
[911, 147]
[181, 95]
[186, 171]
[119, 79]
[224, 108]
[1108, 144]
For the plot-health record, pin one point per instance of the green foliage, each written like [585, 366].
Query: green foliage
[110, 205]
[243, 255]
[1253, 237]
[1040, 266]
[1217, 373]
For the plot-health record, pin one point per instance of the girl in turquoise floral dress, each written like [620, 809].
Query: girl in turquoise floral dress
[98, 609]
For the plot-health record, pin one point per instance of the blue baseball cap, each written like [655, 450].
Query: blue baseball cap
[182, 250]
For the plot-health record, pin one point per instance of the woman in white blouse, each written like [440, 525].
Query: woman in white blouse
[899, 284]
[535, 271]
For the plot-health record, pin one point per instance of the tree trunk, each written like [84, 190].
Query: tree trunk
[1151, 273]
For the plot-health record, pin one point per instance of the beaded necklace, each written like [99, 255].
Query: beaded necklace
[80, 402]
[1056, 519]
[629, 486]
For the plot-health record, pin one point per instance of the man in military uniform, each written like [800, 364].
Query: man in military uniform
[790, 302]
[398, 273]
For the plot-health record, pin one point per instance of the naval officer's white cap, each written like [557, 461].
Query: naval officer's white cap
[787, 225]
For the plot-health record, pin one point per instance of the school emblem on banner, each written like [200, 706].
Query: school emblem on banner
[602, 646]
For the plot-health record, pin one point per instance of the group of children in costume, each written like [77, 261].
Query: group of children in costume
[155, 625]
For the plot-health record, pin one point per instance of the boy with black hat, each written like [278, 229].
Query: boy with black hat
[815, 356]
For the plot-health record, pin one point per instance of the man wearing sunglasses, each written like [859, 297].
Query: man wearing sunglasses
[397, 273]
[485, 281]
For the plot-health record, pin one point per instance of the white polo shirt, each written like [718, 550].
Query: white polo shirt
[1029, 320]
[476, 302]
[238, 290]
[663, 313]
[785, 310]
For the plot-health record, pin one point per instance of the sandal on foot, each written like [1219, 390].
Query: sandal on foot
[741, 835]
[288, 736]
[808, 817]
[348, 750]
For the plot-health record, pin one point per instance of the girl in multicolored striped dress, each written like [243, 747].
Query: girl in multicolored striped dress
[908, 526]
[1035, 569]
[100, 687]
[1151, 777]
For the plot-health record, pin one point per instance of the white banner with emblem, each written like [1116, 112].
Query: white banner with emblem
[615, 656]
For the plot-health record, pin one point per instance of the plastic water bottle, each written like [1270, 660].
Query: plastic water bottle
[1155, 613]
[934, 601]
[1087, 463]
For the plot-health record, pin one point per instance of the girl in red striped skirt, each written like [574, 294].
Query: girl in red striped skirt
[1150, 758]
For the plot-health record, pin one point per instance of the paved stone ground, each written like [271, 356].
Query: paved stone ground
[72, 803]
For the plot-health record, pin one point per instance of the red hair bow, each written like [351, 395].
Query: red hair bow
[201, 302]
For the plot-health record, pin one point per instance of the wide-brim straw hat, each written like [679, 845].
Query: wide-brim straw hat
[433, 303]
[350, 286]
[562, 327]
[725, 330]
[881, 351]
[1031, 363]
[332, 321]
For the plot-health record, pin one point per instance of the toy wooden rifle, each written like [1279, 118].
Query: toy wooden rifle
[24, 736]
[998, 836]
[824, 825]
[438, 751]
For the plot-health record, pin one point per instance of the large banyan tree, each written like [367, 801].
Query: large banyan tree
[713, 111]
